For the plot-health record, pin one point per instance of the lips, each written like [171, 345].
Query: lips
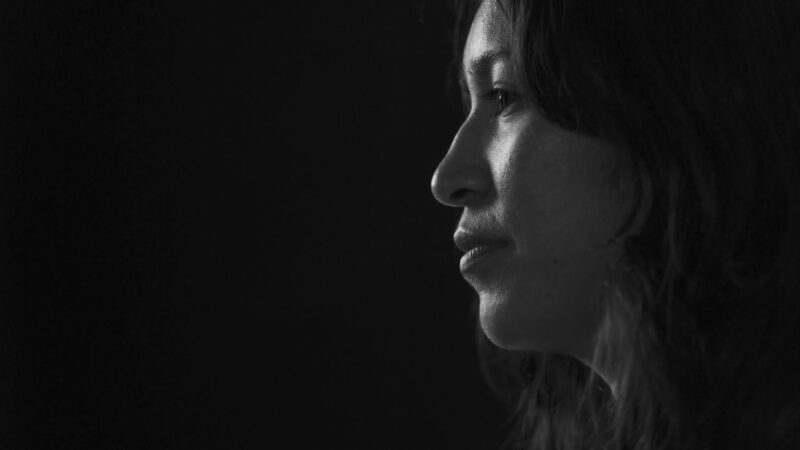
[467, 241]
[477, 247]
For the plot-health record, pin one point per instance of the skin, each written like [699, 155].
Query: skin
[556, 196]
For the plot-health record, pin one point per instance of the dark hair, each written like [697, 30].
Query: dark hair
[703, 332]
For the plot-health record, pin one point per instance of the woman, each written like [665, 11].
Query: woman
[626, 173]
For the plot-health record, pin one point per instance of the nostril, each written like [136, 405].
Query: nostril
[460, 194]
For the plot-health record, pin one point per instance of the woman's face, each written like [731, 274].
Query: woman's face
[543, 201]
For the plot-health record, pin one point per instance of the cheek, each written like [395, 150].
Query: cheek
[555, 200]
[548, 297]
[560, 216]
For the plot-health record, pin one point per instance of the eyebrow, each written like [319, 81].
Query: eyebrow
[482, 65]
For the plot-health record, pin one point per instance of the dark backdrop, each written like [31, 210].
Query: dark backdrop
[218, 232]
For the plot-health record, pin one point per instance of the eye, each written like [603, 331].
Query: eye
[503, 97]
[465, 101]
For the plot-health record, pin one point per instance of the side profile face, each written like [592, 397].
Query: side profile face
[543, 201]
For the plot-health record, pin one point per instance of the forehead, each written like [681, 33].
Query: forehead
[489, 31]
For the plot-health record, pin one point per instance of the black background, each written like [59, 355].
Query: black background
[218, 231]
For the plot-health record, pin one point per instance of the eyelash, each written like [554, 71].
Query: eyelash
[509, 96]
[503, 95]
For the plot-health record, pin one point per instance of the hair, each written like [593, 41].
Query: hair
[701, 331]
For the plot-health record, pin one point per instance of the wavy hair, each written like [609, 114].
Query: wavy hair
[701, 332]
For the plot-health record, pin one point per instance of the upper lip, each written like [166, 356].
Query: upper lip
[466, 240]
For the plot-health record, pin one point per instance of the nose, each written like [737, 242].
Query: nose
[463, 177]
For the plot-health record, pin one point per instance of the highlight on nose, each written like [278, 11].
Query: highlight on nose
[463, 177]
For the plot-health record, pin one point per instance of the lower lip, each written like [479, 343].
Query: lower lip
[479, 256]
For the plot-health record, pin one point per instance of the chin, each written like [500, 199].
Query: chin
[510, 327]
[504, 328]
